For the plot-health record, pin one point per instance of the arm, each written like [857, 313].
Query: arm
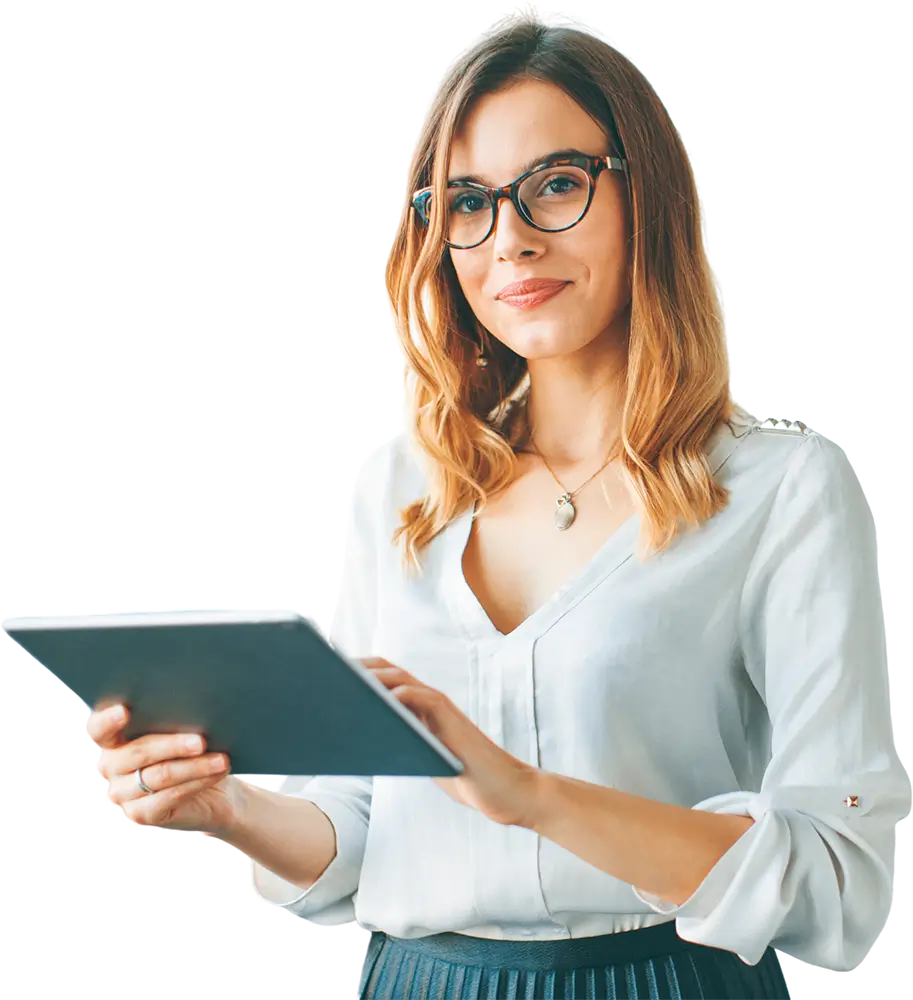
[290, 836]
[813, 875]
[666, 849]
[307, 841]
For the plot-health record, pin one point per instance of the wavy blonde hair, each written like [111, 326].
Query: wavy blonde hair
[466, 420]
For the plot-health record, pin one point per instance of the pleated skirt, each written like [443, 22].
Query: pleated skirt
[649, 962]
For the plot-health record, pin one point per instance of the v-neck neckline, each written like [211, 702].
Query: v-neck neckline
[467, 610]
[475, 620]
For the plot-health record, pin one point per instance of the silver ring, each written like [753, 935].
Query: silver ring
[139, 777]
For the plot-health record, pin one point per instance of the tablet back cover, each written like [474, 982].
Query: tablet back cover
[265, 688]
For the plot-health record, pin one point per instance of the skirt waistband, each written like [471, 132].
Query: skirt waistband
[603, 949]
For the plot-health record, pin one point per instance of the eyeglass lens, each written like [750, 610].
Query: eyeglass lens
[555, 198]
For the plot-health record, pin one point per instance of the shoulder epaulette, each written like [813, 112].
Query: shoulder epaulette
[783, 426]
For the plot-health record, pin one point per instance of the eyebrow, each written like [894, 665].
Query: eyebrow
[476, 179]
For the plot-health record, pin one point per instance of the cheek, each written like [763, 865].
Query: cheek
[605, 239]
[604, 232]
[472, 275]
[609, 265]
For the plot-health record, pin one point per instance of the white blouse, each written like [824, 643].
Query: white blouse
[742, 670]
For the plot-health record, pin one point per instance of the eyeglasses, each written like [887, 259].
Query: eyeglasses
[551, 197]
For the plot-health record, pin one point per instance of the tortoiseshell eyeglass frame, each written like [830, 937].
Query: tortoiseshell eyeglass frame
[593, 165]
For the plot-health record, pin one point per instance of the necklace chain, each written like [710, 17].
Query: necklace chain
[569, 494]
[565, 513]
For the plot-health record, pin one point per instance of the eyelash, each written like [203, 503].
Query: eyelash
[557, 177]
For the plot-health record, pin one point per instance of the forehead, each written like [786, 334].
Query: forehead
[504, 130]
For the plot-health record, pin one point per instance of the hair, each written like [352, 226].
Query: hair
[464, 419]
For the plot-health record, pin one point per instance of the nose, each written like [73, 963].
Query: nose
[511, 230]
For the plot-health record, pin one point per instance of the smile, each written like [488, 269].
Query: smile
[534, 299]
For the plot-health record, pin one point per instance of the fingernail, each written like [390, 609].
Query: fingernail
[117, 714]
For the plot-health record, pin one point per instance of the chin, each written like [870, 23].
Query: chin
[543, 341]
[543, 351]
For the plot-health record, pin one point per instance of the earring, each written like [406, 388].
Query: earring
[481, 359]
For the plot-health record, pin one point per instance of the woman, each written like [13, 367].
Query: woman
[676, 761]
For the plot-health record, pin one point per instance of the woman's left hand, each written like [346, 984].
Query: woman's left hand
[498, 785]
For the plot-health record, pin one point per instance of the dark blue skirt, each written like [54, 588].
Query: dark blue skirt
[650, 962]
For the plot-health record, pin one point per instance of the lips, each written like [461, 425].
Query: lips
[530, 286]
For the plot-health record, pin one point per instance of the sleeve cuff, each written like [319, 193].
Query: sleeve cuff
[338, 880]
[702, 917]
[274, 889]
[709, 894]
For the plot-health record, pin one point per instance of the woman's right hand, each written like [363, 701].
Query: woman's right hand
[187, 794]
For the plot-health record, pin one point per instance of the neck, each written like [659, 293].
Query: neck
[574, 408]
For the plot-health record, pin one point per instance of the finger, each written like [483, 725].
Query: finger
[419, 695]
[151, 809]
[167, 774]
[419, 700]
[433, 708]
[378, 662]
[392, 673]
[147, 750]
[105, 725]
[382, 675]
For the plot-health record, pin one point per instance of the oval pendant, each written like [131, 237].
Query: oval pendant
[565, 514]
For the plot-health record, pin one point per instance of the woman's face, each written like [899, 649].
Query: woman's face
[502, 133]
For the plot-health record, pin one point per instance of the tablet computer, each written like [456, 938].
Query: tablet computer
[265, 687]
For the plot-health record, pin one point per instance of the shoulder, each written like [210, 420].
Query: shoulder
[762, 448]
[788, 457]
[391, 474]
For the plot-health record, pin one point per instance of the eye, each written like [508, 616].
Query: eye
[467, 202]
[561, 184]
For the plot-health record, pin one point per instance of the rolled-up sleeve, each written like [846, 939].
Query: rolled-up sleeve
[344, 799]
[813, 876]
